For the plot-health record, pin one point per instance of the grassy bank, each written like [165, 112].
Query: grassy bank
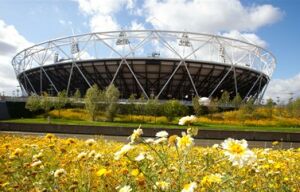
[201, 126]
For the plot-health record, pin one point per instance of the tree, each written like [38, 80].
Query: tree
[33, 103]
[297, 108]
[112, 95]
[198, 108]
[293, 108]
[249, 107]
[152, 107]
[237, 101]
[140, 107]
[77, 95]
[173, 108]
[131, 105]
[91, 100]
[60, 101]
[225, 99]
[46, 103]
[213, 107]
[270, 106]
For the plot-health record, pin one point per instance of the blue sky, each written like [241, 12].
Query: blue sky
[274, 23]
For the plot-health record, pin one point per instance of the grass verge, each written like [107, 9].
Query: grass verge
[149, 125]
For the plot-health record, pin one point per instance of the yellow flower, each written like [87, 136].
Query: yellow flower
[172, 140]
[135, 172]
[17, 152]
[208, 180]
[275, 143]
[162, 185]
[103, 172]
[4, 184]
[185, 142]
[50, 136]
[189, 187]
[71, 141]
[6, 146]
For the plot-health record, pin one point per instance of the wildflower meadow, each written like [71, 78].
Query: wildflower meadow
[163, 163]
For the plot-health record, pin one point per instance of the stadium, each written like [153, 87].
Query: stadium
[149, 63]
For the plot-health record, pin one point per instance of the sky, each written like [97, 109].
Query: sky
[273, 24]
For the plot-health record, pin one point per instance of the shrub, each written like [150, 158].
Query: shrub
[173, 108]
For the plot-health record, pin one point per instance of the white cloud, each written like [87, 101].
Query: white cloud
[210, 16]
[248, 37]
[283, 88]
[11, 42]
[137, 26]
[64, 22]
[101, 22]
[103, 12]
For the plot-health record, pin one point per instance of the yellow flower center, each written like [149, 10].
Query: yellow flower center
[236, 148]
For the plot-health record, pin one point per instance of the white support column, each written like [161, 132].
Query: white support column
[29, 83]
[175, 70]
[220, 82]
[191, 79]
[235, 81]
[136, 79]
[252, 87]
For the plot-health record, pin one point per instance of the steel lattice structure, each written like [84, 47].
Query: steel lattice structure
[153, 63]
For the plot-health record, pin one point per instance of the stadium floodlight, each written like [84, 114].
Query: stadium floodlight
[122, 40]
[222, 54]
[184, 41]
[74, 47]
[55, 57]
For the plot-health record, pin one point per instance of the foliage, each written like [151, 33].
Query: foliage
[144, 119]
[225, 99]
[152, 107]
[131, 106]
[213, 106]
[77, 95]
[173, 108]
[293, 108]
[71, 114]
[167, 163]
[33, 103]
[198, 108]
[237, 101]
[60, 101]
[92, 99]
[112, 95]
[76, 98]
[248, 107]
[46, 102]
[269, 107]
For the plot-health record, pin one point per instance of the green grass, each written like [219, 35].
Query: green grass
[148, 125]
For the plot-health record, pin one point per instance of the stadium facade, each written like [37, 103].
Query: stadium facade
[152, 63]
